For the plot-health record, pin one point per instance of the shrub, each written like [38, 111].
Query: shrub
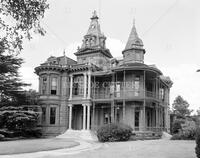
[176, 126]
[176, 136]
[197, 148]
[1, 137]
[19, 122]
[114, 132]
[187, 131]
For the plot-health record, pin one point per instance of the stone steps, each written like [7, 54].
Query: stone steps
[79, 134]
[145, 135]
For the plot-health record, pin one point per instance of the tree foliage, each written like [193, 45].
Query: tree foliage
[18, 121]
[19, 19]
[180, 107]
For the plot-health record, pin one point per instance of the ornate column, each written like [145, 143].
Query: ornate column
[71, 86]
[89, 85]
[85, 86]
[84, 116]
[70, 116]
[88, 117]
[156, 116]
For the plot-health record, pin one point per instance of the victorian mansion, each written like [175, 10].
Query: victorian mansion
[98, 88]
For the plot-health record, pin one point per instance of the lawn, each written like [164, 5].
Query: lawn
[34, 145]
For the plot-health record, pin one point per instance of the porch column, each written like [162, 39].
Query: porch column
[167, 126]
[144, 103]
[71, 87]
[124, 93]
[85, 86]
[88, 117]
[93, 116]
[70, 116]
[84, 115]
[141, 119]
[89, 85]
[112, 112]
[156, 116]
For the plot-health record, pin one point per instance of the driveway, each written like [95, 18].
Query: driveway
[131, 149]
[141, 149]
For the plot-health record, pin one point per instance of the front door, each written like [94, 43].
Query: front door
[77, 117]
[137, 120]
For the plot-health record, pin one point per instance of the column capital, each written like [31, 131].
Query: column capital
[71, 75]
[70, 105]
[84, 73]
[89, 104]
[89, 72]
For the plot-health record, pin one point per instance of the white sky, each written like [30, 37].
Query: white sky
[169, 30]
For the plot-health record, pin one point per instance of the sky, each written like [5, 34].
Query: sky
[169, 30]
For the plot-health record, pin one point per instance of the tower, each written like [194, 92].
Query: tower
[93, 49]
[134, 51]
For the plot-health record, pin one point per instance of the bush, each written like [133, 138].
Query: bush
[114, 132]
[176, 126]
[187, 131]
[197, 148]
[1, 137]
[19, 122]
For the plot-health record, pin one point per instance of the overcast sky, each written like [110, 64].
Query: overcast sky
[169, 30]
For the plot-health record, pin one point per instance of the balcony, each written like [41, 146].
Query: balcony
[127, 94]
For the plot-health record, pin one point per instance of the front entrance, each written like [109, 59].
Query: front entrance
[77, 117]
[137, 120]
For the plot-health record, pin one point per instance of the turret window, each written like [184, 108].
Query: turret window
[52, 115]
[44, 85]
[54, 86]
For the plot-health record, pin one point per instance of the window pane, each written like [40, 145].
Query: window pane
[44, 85]
[53, 85]
[52, 115]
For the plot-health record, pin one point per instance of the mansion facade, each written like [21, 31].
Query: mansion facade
[99, 89]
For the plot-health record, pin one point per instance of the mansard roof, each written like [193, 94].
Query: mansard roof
[88, 50]
[136, 66]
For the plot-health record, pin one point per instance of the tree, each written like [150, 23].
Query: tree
[198, 112]
[180, 107]
[19, 19]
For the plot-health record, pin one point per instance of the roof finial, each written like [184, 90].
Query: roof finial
[133, 21]
[94, 15]
[64, 52]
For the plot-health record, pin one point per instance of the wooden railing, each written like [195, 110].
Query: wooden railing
[127, 94]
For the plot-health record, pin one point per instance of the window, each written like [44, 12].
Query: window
[44, 85]
[43, 114]
[52, 115]
[107, 118]
[54, 85]
[162, 94]
[78, 86]
[138, 57]
[137, 85]
[137, 117]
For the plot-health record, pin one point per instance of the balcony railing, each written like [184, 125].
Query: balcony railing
[127, 94]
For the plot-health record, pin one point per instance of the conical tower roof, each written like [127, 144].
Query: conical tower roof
[133, 41]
